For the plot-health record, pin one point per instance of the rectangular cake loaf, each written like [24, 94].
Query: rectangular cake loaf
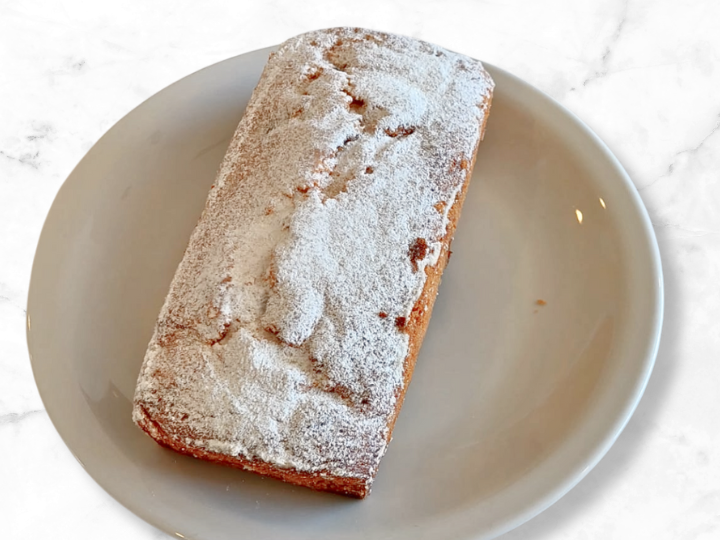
[290, 332]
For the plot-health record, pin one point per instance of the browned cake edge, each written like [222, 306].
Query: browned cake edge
[353, 487]
[422, 310]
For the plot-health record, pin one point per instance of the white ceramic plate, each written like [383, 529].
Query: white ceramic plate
[512, 403]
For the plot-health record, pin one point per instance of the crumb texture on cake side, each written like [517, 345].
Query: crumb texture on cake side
[289, 333]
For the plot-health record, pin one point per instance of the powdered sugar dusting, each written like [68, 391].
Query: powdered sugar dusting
[278, 339]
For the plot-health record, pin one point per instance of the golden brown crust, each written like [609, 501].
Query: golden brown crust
[422, 311]
[320, 481]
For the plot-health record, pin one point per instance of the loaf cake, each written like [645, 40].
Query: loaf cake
[290, 332]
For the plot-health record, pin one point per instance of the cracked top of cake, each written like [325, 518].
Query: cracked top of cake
[282, 337]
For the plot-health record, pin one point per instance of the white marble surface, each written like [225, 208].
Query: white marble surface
[644, 74]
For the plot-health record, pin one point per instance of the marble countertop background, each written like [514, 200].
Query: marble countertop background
[644, 74]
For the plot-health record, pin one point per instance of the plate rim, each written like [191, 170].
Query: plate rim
[650, 344]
